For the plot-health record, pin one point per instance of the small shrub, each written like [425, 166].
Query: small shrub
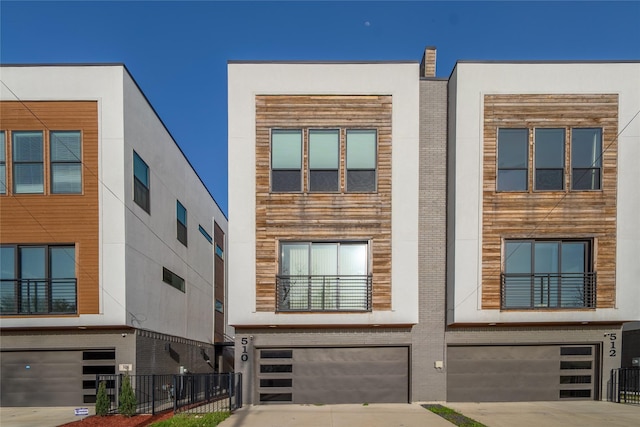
[102, 400]
[194, 420]
[128, 404]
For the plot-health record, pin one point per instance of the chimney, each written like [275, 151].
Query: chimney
[428, 64]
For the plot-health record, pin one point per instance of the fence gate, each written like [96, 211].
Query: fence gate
[624, 386]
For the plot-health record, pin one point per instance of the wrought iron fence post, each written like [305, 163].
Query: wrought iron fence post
[175, 393]
[153, 394]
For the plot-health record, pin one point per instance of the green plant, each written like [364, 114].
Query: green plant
[194, 420]
[127, 399]
[102, 400]
[452, 416]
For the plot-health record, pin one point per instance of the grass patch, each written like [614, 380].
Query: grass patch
[194, 420]
[453, 416]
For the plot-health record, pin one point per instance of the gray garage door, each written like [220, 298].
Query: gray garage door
[521, 373]
[334, 375]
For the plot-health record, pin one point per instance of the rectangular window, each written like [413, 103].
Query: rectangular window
[141, 183]
[37, 279]
[324, 159]
[513, 159]
[361, 160]
[324, 276]
[181, 213]
[3, 164]
[219, 306]
[548, 274]
[586, 159]
[66, 163]
[219, 252]
[28, 170]
[549, 159]
[286, 160]
[205, 234]
[172, 279]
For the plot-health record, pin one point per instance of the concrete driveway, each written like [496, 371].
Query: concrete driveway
[582, 413]
[40, 417]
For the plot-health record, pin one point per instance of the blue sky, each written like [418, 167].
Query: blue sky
[178, 51]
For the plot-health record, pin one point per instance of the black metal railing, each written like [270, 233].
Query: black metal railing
[552, 290]
[199, 393]
[323, 293]
[624, 386]
[38, 296]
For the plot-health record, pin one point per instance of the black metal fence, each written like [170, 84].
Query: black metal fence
[542, 290]
[624, 386]
[199, 393]
[323, 293]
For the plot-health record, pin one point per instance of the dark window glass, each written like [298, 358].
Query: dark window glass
[575, 379]
[276, 368]
[172, 279]
[181, 213]
[99, 355]
[219, 251]
[66, 162]
[323, 180]
[8, 300]
[574, 393]
[549, 157]
[276, 354]
[286, 160]
[513, 159]
[28, 170]
[276, 382]
[361, 160]
[141, 183]
[586, 159]
[89, 398]
[3, 164]
[100, 369]
[575, 364]
[62, 263]
[575, 351]
[324, 159]
[275, 397]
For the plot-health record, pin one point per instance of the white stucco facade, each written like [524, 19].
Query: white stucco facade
[245, 81]
[468, 85]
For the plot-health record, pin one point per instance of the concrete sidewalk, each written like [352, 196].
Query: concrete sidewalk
[583, 413]
[356, 415]
[40, 417]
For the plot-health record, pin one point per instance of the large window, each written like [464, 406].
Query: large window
[324, 276]
[181, 222]
[324, 159]
[141, 183]
[361, 160]
[28, 170]
[548, 274]
[37, 279]
[3, 164]
[586, 158]
[66, 163]
[286, 160]
[549, 156]
[513, 159]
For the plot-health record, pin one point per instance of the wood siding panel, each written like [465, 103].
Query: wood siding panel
[57, 218]
[550, 214]
[308, 216]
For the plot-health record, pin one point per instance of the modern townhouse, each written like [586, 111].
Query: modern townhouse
[543, 229]
[112, 249]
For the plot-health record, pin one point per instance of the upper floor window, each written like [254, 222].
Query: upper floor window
[181, 213]
[3, 164]
[286, 160]
[141, 183]
[361, 160]
[513, 159]
[548, 274]
[586, 158]
[324, 160]
[549, 158]
[173, 279]
[206, 235]
[219, 251]
[28, 169]
[37, 279]
[66, 163]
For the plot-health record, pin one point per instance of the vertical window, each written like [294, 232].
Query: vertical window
[361, 160]
[141, 183]
[324, 152]
[8, 298]
[549, 159]
[62, 262]
[181, 222]
[28, 171]
[66, 165]
[3, 164]
[286, 160]
[513, 159]
[586, 159]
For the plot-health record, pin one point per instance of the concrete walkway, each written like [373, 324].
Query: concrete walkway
[356, 415]
[551, 414]
[40, 417]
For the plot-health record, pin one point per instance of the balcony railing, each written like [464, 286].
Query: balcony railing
[323, 293]
[38, 296]
[557, 290]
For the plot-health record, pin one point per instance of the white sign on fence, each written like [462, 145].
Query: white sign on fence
[125, 367]
[81, 411]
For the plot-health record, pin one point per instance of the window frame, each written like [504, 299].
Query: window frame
[346, 160]
[599, 159]
[181, 227]
[272, 169]
[3, 162]
[169, 276]
[563, 168]
[527, 161]
[140, 187]
[311, 169]
[17, 163]
[52, 162]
